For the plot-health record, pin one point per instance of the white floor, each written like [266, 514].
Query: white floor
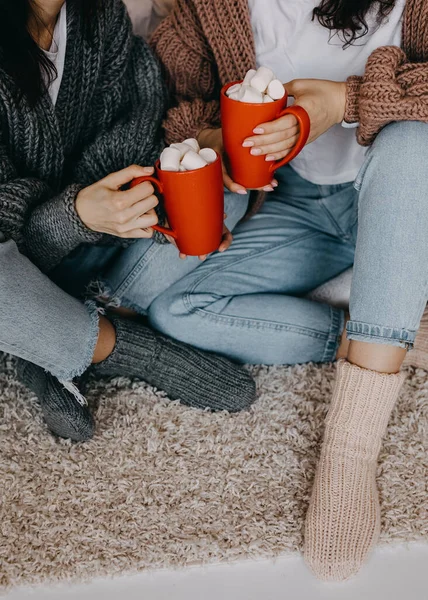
[397, 573]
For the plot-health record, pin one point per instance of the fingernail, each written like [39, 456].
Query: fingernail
[268, 188]
[242, 192]
[148, 169]
[258, 130]
[270, 157]
[274, 184]
[255, 151]
[248, 144]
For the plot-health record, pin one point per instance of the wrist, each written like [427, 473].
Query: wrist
[341, 102]
[209, 138]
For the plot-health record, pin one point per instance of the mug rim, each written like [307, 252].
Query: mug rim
[228, 85]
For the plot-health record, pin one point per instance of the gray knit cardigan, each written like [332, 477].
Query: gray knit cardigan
[108, 116]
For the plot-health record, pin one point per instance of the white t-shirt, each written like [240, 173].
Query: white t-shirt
[56, 52]
[294, 46]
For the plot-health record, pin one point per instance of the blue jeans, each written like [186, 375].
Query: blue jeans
[249, 302]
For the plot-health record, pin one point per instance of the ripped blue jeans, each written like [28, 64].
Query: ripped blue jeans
[249, 302]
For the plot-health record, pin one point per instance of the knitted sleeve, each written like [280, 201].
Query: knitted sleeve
[189, 69]
[59, 231]
[391, 89]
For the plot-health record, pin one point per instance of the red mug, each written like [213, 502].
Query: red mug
[238, 121]
[194, 205]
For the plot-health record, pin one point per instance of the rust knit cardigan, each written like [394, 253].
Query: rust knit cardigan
[204, 44]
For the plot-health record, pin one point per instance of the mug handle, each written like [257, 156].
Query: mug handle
[305, 128]
[159, 187]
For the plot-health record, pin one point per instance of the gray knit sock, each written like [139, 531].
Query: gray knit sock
[196, 378]
[63, 414]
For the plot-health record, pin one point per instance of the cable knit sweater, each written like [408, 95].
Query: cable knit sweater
[203, 44]
[107, 117]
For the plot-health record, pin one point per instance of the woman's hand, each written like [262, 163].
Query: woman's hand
[213, 138]
[324, 101]
[105, 208]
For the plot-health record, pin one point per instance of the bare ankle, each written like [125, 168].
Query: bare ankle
[376, 357]
[106, 341]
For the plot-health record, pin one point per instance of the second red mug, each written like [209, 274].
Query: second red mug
[194, 205]
[238, 120]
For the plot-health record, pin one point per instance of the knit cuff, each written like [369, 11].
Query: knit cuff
[77, 229]
[353, 86]
[63, 214]
[55, 229]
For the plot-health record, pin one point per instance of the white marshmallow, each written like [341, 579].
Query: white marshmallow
[233, 89]
[249, 76]
[250, 95]
[193, 144]
[182, 148]
[170, 159]
[192, 160]
[267, 99]
[235, 96]
[262, 79]
[182, 169]
[208, 154]
[276, 90]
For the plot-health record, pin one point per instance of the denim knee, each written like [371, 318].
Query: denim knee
[402, 140]
[396, 153]
[168, 313]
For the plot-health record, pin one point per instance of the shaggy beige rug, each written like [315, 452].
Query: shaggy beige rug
[164, 485]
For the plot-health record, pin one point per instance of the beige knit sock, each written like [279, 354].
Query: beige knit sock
[343, 520]
[418, 357]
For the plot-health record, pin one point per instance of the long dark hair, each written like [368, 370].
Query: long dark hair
[21, 57]
[349, 16]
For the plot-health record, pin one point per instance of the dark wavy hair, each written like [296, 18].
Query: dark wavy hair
[348, 17]
[20, 56]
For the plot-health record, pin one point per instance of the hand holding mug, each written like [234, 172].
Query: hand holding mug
[324, 101]
[213, 138]
[240, 119]
[194, 205]
[105, 208]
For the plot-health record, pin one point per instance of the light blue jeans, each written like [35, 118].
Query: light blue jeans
[249, 302]
[40, 322]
